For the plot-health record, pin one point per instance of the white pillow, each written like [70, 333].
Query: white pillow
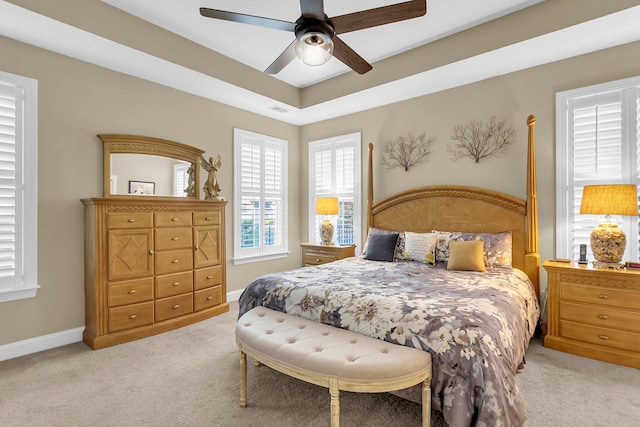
[420, 247]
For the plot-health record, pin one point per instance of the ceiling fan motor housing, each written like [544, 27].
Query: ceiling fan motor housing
[314, 40]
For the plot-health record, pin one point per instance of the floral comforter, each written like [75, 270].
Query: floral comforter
[476, 326]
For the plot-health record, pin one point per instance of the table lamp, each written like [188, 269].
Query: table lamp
[326, 206]
[608, 241]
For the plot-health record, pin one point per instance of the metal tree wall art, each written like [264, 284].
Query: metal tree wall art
[406, 151]
[478, 141]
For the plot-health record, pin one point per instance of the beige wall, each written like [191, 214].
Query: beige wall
[513, 96]
[78, 100]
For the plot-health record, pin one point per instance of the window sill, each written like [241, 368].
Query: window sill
[258, 258]
[16, 294]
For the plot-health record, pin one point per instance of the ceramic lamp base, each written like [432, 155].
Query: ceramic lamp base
[326, 232]
[608, 242]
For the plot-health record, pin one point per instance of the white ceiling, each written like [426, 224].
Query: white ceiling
[258, 47]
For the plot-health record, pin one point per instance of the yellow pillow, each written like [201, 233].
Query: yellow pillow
[466, 256]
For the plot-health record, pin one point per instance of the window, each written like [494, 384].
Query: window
[335, 171]
[597, 142]
[180, 179]
[260, 197]
[18, 187]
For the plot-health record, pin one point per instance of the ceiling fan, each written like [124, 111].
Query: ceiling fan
[316, 34]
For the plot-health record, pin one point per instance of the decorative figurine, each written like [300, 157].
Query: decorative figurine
[211, 187]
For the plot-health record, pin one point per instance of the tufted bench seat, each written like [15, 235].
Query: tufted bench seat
[330, 357]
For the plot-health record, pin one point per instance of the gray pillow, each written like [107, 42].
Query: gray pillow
[381, 247]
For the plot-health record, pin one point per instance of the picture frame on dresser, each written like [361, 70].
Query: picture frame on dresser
[142, 187]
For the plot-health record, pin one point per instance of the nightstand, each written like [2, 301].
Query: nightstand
[594, 312]
[313, 254]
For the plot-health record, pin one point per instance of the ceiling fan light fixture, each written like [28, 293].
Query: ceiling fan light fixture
[314, 48]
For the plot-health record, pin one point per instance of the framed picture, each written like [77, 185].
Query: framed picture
[142, 187]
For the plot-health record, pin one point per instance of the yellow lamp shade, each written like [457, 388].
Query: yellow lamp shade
[327, 206]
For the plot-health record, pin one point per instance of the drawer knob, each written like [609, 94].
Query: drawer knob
[175, 284]
[209, 277]
[132, 291]
[174, 219]
[603, 316]
[175, 261]
[131, 220]
[603, 337]
[133, 316]
[317, 259]
[177, 306]
[151, 252]
[603, 296]
[208, 218]
[174, 238]
[209, 298]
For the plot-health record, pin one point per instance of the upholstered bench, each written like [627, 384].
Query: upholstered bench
[330, 357]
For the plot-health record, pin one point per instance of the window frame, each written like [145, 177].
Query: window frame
[260, 253]
[27, 209]
[354, 140]
[566, 184]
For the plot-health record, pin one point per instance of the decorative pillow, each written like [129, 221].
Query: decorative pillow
[381, 247]
[399, 244]
[497, 246]
[466, 255]
[420, 247]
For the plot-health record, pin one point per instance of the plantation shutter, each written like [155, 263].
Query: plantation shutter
[10, 185]
[180, 179]
[261, 179]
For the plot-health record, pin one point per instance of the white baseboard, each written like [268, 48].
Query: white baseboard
[45, 342]
[58, 339]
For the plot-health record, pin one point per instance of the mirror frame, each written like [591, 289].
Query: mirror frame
[136, 144]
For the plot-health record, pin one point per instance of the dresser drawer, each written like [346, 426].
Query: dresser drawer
[174, 284]
[604, 296]
[207, 277]
[207, 218]
[317, 259]
[623, 340]
[129, 220]
[174, 261]
[168, 308]
[173, 238]
[130, 316]
[130, 292]
[206, 298]
[601, 316]
[172, 219]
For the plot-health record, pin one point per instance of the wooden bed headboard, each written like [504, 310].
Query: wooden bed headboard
[467, 209]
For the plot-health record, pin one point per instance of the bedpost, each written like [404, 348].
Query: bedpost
[370, 189]
[532, 257]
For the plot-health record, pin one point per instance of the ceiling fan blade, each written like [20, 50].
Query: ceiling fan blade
[247, 19]
[349, 56]
[312, 9]
[379, 16]
[288, 55]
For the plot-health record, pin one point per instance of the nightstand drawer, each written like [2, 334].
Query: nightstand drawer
[628, 341]
[317, 259]
[601, 316]
[610, 297]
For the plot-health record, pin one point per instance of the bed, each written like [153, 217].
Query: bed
[476, 317]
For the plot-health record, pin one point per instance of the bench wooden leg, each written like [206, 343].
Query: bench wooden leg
[243, 379]
[335, 402]
[426, 403]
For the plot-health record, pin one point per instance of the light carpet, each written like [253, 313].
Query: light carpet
[190, 377]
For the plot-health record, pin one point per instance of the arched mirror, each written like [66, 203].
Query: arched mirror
[145, 166]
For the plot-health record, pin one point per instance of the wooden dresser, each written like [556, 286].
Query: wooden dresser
[594, 313]
[313, 254]
[152, 264]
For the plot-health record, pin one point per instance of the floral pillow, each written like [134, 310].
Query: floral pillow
[420, 247]
[399, 243]
[497, 246]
